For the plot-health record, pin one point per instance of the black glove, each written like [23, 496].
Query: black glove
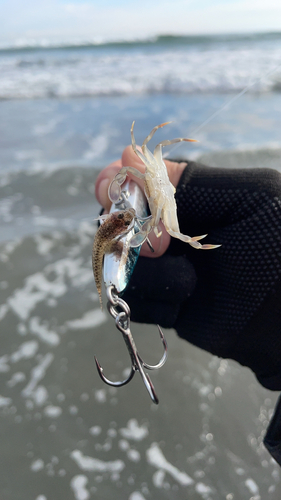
[226, 300]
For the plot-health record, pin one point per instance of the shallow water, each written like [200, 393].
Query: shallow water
[43, 135]
[67, 435]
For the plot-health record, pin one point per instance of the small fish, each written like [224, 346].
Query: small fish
[114, 227]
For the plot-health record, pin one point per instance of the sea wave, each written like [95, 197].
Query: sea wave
[31, 44]
[32, 202]
[63, 198]
[61, 74]
[63, 188]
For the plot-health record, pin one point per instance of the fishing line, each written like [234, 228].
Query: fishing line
[227, 104]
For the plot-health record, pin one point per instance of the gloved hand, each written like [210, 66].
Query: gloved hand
[226, 300]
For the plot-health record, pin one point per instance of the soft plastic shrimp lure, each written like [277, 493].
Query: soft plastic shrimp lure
[159, 192]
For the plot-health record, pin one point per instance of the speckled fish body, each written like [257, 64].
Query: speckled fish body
[114, 273]
[106, 241]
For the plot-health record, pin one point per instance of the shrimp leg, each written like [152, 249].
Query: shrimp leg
[114, 190]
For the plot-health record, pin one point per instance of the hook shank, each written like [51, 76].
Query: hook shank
[122, 321]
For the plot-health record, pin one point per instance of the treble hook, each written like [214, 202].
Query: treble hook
[122, 321]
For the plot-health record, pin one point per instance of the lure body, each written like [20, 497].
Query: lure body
[114, 226]
[118, 271]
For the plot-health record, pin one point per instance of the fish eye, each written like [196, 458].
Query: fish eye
[127, 223]
[120, 216]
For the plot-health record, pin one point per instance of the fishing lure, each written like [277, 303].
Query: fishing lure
[107, 240]
[112, 247]
[159, 192]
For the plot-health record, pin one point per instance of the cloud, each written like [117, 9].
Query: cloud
[85, 19]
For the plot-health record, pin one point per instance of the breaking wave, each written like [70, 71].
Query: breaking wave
[164, 64]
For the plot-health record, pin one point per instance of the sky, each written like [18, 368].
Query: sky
[126, 19]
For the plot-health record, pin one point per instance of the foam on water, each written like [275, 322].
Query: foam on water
[213, 66]
[78, 484]
[25, 351]
[37, 288]
[93, 464]
[40, 330]
[156, 458]
[37, 465]
[37, 374]
[4, 401]
[252, 486]
[89, 320]
[134, 431]
[52, 411]
[16, 378]
[136, 495]
[4, 367]
[203, 490]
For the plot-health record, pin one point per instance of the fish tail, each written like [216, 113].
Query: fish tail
[100, 297]
[97, 257]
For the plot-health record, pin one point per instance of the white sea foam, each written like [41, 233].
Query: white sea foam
[41, 331]
[90, 319]
[156, 458]
[134, 430]
[100, 396]
[37, 374]
[5, 401]
[37, 465]
[159, 478]
[3, 311]
[44, 245]
[53, 411]
[72, 269]
[40, 395]
[42, 220]
[136, 495]
[94, 464]
[97, 146]
[78, 484]
[4, 367]
[36, 289]
[204, 490]
[252, 486]
[192, 67]
[133, 455]
[47, 127]
[95, 430]
[6, 206]
[16, 379]
[25, 351]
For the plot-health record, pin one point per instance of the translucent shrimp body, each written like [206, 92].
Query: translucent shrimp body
[159, 191]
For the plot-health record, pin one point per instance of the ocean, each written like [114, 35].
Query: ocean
[65, 113]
